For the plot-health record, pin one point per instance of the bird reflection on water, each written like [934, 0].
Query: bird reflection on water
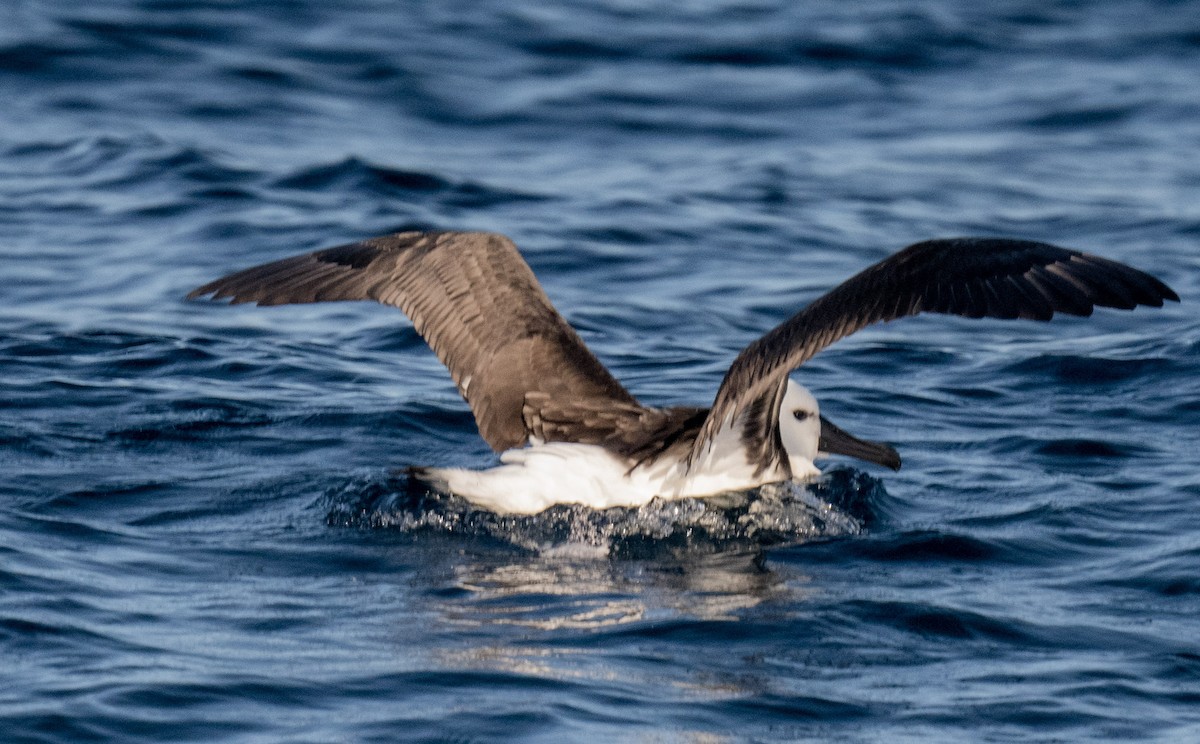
[585, 622]
[602, 594]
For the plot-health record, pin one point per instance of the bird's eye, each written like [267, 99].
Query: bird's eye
[801, 414]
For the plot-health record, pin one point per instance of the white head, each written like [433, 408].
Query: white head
[800, 428]
[806, 435]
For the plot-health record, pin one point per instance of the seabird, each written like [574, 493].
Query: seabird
[569, 432]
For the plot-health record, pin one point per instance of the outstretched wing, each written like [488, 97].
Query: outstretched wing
[971, 277]
[471, 297]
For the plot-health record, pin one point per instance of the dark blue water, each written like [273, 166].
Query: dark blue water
[203, 532]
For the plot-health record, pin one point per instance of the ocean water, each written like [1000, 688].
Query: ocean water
[205, 530]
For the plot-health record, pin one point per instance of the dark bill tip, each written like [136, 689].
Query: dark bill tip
[836, 441]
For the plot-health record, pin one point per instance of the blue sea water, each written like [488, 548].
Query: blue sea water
[205, 532]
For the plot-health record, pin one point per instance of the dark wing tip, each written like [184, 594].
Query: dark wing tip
[221, 289]
[1006, 278]
[341, 273]
[1161, 291]
[1113, 284]
[239, 287]
[203, 292]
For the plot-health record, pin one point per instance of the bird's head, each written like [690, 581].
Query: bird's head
[807, 435]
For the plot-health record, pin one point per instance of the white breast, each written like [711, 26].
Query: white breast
[534, 478]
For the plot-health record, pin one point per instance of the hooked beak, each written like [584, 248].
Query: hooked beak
[835, 441]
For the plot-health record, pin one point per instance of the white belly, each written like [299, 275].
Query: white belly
[535, 478]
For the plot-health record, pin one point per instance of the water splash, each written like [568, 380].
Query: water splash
[837, 504]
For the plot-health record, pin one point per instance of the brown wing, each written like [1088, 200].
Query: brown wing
[971, 277]
[636, 432]
[471, 297]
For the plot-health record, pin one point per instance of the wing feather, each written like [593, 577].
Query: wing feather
[971, 277]
[471, 297]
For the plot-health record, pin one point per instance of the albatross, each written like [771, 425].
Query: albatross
[569, 433]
